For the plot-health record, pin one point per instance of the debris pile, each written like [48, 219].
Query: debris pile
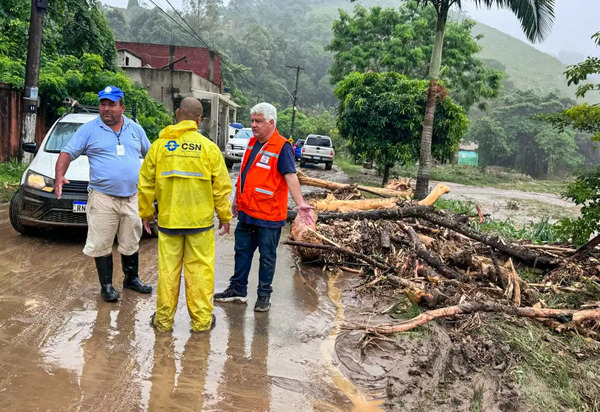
[441, 263]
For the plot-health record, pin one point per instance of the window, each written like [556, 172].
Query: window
[62, 133]
[321, 141]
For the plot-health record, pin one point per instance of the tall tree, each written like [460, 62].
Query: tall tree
[585, 189]
[535, 16]
[380, 115]
[401, 40]
[512, 135]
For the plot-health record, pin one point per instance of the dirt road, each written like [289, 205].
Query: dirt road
[500, 204]
[63, 348]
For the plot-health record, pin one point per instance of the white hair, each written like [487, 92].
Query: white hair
[267, 110]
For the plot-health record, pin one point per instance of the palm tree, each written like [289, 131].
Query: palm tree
[536, 17]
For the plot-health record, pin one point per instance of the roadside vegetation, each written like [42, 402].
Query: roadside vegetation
[554, 372]
[10, 175]
[463, 174]
[541, 231]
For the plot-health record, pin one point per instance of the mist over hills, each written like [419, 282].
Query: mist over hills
[525, 66]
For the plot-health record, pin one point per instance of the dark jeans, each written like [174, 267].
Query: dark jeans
[247, 239]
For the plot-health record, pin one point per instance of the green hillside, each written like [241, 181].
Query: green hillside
[525, 67]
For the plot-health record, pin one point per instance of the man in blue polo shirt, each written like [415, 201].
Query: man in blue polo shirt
[114, 146]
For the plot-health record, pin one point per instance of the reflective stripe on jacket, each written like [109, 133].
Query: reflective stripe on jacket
[186, 173]
[265, 194]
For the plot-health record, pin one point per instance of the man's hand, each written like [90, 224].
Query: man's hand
[147, 224]
[58, 184]
[234, 210]
[225, 227]
[306, 214]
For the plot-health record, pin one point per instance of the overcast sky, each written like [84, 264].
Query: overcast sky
[576, 21]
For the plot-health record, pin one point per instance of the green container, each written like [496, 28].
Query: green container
[467, 157]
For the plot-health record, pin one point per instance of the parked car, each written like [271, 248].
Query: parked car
[317, 149]
[35, 204]
[236, 146]
[298, 148]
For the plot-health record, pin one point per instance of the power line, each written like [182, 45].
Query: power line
[192, 33]
[190, 27]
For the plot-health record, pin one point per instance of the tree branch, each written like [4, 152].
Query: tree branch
[561, 315]
[518, 252]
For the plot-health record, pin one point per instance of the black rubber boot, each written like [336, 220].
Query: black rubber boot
[132, 280]
[104, 264]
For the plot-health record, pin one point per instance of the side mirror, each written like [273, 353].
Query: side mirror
[231, 136]
[29, 147]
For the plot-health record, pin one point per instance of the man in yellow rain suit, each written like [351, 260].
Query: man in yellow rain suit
[185, 172]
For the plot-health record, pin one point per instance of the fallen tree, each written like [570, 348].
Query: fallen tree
[439, 261]
[560, 315]
[407, 193]
[454, 222]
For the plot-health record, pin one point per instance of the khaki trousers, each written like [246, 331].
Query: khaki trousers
[110, 216]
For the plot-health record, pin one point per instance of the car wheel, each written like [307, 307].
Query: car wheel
[228, 163]
[302, 162]
[328, 165]
[14, 210]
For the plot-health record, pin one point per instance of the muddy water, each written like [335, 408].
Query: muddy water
[62, 348]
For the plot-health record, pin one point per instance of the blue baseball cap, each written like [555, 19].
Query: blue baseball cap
[111, 93]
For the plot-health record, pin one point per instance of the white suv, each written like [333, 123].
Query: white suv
[317, 149]
[236, 146]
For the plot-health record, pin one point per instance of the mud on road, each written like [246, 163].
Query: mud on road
[62, 348]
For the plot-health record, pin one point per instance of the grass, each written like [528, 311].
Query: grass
[472, 176]
[456, 206]
[347, 165]
[539, 232]
[463, 174]
[10, 175]
[555, 373]
[477, 400]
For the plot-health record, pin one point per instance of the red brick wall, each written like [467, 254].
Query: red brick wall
[157, 56]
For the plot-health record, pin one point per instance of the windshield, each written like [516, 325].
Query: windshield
[60, 136]
[318, 141]
[243, 134]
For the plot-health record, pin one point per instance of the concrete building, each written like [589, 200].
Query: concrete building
[170, 73]
[128, 59]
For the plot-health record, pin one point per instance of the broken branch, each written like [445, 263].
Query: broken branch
[518, 252]
[575, 316]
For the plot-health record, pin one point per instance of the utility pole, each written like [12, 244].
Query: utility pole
[172, 71]
[32, 74]
[297, 68]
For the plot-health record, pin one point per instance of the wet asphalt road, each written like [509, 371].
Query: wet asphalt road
[63, 349]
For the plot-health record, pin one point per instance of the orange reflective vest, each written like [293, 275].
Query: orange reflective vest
[265, 194]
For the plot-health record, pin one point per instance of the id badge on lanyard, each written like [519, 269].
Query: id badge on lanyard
[120, 150]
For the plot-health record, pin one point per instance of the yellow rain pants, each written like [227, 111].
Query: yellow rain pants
[199, 273]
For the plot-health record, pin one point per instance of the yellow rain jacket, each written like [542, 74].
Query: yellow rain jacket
[188, 171]
[185, 172]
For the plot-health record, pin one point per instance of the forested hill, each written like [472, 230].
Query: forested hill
[525, 67]
[295, 32]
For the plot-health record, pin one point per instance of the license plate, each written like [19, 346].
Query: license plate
[79, 206]
[317, 157]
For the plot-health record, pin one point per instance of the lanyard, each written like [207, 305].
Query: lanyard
[119, 134]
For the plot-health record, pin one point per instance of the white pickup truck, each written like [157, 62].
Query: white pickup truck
[317, 149]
